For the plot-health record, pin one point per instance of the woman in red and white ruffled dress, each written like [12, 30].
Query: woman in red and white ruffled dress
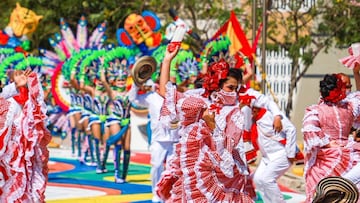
[209, 162]
[23, 141]
[326, 129]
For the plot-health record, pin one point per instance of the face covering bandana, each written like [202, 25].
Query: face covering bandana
[225, 98]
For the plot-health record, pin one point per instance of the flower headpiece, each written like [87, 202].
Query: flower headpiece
[216, 72]
[339, 92]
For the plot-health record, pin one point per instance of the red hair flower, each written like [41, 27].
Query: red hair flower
[339, 92]
[216, 72]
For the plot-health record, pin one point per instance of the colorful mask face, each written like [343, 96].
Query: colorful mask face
[23, 21]
[137, 27]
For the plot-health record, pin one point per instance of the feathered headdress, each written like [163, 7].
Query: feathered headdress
[188, 68]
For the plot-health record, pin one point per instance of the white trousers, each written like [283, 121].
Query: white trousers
[354, 174]
[265, 178]
[160, 152]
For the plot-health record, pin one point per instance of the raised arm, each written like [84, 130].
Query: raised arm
[106, 84]
[246, 68]
[205, 64]
[248, 71]
[165, 70]
[74, 83]
[87, 89]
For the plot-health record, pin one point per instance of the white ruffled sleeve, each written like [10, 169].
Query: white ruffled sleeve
[354, 101]
[168, 110]
[313, 136]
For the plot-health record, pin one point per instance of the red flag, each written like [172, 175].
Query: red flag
[233, 30]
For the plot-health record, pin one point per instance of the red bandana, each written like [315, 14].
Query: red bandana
[23, 95]
[254, 131]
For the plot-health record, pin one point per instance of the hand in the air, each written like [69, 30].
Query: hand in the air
[20, 77]
[169, 55]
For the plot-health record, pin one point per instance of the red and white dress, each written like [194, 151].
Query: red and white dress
[23, 152]
[323, 123]
[207, 166]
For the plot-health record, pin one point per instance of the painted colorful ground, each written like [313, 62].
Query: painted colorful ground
[72, 182]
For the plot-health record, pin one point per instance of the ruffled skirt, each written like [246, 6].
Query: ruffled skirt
[23, 147]
[328, 162]
[198, 173]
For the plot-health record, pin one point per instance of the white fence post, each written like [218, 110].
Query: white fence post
[278, 75]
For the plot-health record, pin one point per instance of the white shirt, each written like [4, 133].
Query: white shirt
[264, 101]
[153, 101]
[268, 140]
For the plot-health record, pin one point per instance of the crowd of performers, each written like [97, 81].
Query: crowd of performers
[201, 128]
[207, 124]
[208, 131]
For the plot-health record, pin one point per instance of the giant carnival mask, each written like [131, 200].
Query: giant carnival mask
[139, 29]
[23, 21]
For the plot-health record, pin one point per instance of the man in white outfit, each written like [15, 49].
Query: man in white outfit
[278, 151]
[162, 136]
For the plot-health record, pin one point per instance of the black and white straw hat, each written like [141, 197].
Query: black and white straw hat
[336, 189]
[143, 68]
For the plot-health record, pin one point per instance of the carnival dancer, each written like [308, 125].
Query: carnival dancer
[118, 120]
[24, 139]
[88, 144]
[86, 106]
[58, 120]
[209, 161]
[74, 115]
[326, 136]
[262, 101]
[278, 150]
[99, 114]
[354, 142]
[163, 136]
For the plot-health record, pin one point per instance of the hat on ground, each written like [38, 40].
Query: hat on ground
[143, 69]
[336, 189]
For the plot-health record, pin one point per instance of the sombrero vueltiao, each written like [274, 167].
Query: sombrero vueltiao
[143, 69]
[336, 189]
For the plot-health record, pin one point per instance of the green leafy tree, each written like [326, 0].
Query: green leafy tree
[114, 13]
[95, 11]
[304, 33]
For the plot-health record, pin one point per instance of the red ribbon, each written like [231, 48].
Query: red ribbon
[215, 107]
